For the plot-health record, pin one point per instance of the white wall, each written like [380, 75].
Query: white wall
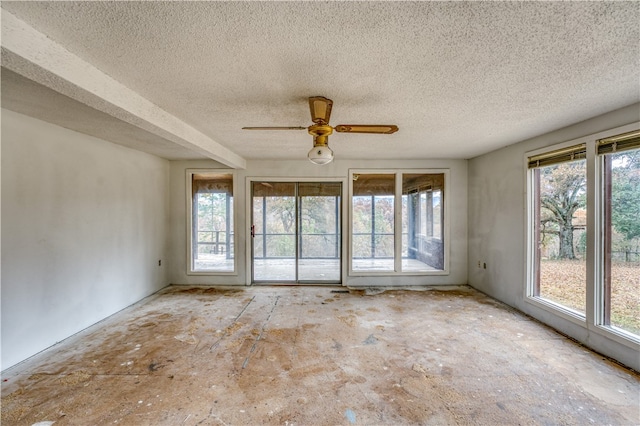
[497, 227]
[83, 227]
[456, 191]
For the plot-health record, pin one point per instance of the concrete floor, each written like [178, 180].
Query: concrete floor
[310, 356]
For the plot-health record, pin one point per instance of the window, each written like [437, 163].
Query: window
[559, 224]
[373, 222]
[619, 158]
[296, 231]
[584, 232]
[397, 222]
[211, 247]
[422, 242]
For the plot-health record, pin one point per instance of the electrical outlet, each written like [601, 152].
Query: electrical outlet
[159, 262]
[478, 264]
[484, 265]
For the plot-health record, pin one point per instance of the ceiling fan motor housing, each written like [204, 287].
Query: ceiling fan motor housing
[320, 131]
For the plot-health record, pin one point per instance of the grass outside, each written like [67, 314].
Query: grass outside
[563, 282]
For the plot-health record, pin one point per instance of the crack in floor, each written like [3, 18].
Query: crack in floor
[255, 343]
[217, 342]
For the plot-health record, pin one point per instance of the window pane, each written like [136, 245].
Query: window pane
[561, 220]
[319, 225]
[436, 213]
[274, 229]
[422, 242]
[212, 222]
[280, 226]
[319, 243]
[622, 240]
[373, 224]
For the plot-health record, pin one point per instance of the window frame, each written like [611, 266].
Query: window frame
[189, 221]
[593, 320]
[603, 306]
[248, 212]
[533, 196]
[446, 240]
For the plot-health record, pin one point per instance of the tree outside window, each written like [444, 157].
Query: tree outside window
[559, 227]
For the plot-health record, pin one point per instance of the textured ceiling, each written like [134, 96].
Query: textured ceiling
[460, 79]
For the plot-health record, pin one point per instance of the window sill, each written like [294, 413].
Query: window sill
[620, 336]
[396, 274]
[617, 335]
[212, 273]
[559, 310]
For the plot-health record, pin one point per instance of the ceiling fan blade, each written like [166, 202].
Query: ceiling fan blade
[320, 109]
[385, 129]
[275, 128]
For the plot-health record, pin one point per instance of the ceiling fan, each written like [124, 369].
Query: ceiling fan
[320, 129]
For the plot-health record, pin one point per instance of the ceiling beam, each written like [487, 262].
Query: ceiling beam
[33, 55]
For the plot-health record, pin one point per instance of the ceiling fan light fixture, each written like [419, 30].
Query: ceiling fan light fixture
[320, 154]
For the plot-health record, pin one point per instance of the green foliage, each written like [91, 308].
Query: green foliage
[382, 222]
[563, 193]
[581, 247]
[317, 224]
[212, 211]
[625, 193]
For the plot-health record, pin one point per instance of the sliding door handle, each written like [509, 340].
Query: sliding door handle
[253, 231]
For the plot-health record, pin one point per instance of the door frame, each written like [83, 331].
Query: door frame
[249, 180]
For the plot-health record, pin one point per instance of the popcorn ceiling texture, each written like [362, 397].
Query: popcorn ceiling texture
[460, 79]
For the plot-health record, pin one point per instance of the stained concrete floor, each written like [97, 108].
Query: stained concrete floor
[311, 356]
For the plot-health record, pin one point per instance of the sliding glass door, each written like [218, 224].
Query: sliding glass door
[319, 232]
[296, 232]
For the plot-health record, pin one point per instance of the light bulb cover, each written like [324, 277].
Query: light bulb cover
[320, 154]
